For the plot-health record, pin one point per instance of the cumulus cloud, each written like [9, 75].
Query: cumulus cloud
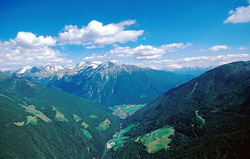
[28, 39]
[29, 49]
[239, 15]
[95, 34]
[141, 52]
[219, 47]
[194, 62]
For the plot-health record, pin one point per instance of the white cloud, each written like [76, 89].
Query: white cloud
[91, 47]
[175, 46]
[194, 62]
[219, 47]
[240, 15]
[94, 57]
[95, 34]
[149, 57]
[141, 52]
[28, 39]
[242, 48]
[28, 49]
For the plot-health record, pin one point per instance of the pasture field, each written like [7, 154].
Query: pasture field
[93, 116]
[32, 109]
[104, 125]
[158, 139]
[19, 123]
[76, 118]
[31, 120]
[85, 125]
[119, 139]
[86, 133]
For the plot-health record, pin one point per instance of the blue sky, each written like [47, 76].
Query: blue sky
[161, 34]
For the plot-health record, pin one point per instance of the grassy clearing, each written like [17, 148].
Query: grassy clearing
[119, 139]
[76, 118]
[123, 131]
[19, 123]
[31, 120]
[104, 125]
[127, 129]
[116, 143]
[86, 133]
[85, 125]
[59, 116]
[32, 109]
[200, 118]
[93, 116]
[158, 139]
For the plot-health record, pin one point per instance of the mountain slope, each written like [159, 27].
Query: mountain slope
[39, 122]
[110, 84]
[208, 117]
[42, 75]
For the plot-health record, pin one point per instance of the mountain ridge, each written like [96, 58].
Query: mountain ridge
[40, 122]
[108, 83]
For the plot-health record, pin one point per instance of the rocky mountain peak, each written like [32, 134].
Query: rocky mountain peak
[23, 70]
[51, 68]
[106, 65]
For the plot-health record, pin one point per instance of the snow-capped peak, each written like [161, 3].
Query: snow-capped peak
[53, 68]
[82, 64]
[106, 65]
[95, 64]
[23, 69]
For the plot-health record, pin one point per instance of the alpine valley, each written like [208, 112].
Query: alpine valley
[44, 113]
[124, 79]
[106, 83]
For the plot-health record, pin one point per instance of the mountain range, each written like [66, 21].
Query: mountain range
[207, 117]
[106, 83]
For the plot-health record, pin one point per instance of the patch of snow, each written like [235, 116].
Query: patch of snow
[82, 64]
[51, 68]
[95, 64]
[72, 73]
[24, 69]
[60, 75]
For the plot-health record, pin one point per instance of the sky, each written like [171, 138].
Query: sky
[160, 34]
